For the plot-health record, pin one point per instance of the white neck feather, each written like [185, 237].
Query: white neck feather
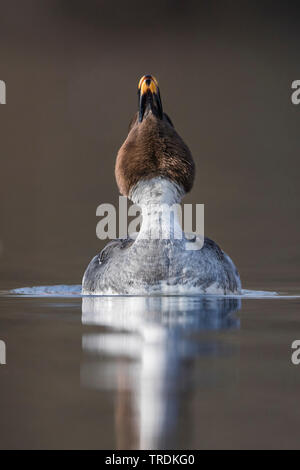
[159, 199]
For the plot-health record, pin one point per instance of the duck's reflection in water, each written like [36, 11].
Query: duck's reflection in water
[147, 355]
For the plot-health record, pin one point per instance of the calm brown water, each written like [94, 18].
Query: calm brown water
[129, 373]
[165, 372]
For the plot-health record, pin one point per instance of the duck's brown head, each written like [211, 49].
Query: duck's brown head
[153, 148]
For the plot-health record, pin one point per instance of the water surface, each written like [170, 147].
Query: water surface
[148, 372]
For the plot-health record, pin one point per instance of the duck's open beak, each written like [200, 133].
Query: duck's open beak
[149, 97]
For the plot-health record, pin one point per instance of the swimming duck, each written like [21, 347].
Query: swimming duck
[155, 169]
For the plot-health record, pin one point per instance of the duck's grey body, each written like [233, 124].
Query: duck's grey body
[145, 267]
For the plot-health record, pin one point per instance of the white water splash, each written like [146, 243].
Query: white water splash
[47, 291]
[75, 291]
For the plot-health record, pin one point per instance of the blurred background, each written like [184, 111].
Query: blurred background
[225, 71]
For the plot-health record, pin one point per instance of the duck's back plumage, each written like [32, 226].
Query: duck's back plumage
[160, 266]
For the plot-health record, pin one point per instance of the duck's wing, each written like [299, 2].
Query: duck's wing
[212, 266]
[214, 248]
[230, 278]
[112, 248]
[97, 267]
